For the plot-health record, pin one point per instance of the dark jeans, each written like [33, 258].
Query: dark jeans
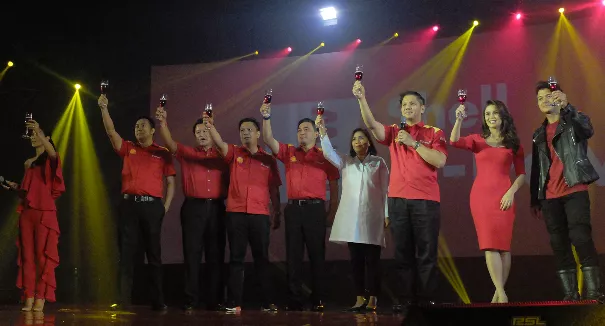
[305, 225]
[140, 221]
[568, 222]
[203, 226]
[242, 229]
[415, 227]
[365, 260]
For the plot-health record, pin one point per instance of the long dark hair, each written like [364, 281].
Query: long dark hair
[371, 148]
[507, 128]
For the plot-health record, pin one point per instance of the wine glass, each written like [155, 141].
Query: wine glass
[28, 132]
[163, 100]
[268, 96]
[359, 72]
[320, 108]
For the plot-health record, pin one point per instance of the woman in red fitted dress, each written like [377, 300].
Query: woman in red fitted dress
[38, 226]
[492, 195]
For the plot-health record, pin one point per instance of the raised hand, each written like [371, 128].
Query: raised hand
[265, 110]
[161, 114]
[461, 112]
[319, 123]
[103, 102]
[358, 90]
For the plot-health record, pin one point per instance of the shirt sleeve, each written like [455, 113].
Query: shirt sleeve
[466, 142]
[439, 142]
[283, 152]
[390, 132]
[519, 161]
[274, 178]
[125, 148]
[384, 180]
[168, 165]
[230, 154]
[186, 152]
[329, 152]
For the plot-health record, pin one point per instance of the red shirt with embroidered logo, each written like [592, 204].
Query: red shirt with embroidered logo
[144, 168]
[411, 176]
[556, 186]
[306, 172]
[251, 177]
[204, 173]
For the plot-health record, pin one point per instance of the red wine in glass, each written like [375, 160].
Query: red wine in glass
[320, 108]
[268, 96]
[358, 72]
[28, 132]
[553, 84]
[208, 110]
[163, 100]
[462, 96]
[104, 87]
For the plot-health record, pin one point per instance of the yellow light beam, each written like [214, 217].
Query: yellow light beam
[550, 64]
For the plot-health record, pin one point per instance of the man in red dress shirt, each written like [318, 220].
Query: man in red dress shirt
[417, 151]
[141, 210]
[305, 215]
[560, 175]
[254, 179]
[205, 178]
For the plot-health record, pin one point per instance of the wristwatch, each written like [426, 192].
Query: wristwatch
[416, 144]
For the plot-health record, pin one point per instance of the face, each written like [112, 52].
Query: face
[492, 117]
[248, 133]
[412, 108]
[545, 100]
[360, 143]
[306, 134]
[35, 140]
[143, 130]
[202, 136]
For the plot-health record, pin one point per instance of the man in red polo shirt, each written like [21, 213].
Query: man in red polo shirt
[305, 215]
[205, 177]
[141, 211]
[254, 179]
[417, 151]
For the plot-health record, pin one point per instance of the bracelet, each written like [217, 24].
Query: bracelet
[268, 117]
[416, 145]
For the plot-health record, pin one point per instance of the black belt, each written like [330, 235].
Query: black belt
[303, 202]
[140, 199]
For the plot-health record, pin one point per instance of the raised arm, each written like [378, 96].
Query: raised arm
[460, 114]
[326, 146]
[374, 126]
[161, 115]
[273, 144]
[218, 141]
[48, 147]
[114, 137]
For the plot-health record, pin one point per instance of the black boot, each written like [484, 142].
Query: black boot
[592, 284]
[569, 281]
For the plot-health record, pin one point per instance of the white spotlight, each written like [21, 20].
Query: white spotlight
[328, 15]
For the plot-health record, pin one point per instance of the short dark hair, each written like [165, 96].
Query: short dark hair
[418, 96]
[544, 85]
[199, 121]
[371, 148]
[151, 122]
[249, 120]
[307, 120]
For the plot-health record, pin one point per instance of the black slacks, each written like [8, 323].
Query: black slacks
[305, 226]
[415, 228]
[365, 261]
[203, 228]
[140, 222]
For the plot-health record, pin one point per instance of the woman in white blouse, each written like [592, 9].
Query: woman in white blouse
[362, 213]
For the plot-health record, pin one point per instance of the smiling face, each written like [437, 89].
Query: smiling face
[412, 108]
[248, 134]
[360, 143]
[143, 130]
[545, 100]
[492, 117]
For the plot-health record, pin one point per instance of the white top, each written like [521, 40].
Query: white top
[363, 202]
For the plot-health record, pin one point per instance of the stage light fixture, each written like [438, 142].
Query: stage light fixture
[435, 28]
[289, 49]
[10, 64]
[561, 10]
[358, 41]
[603, 2]
[518, 16]
[322, 44]
[396, 34]
[78, 86]
[255, 52]
[329, 16]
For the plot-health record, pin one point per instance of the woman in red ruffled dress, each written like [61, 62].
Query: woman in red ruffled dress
[38, 226]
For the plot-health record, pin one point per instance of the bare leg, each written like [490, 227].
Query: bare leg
[494, 266]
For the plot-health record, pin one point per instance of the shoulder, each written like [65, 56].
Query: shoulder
[433, 128]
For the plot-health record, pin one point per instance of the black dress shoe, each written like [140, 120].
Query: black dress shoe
[318, 307]
[294, 307]
[159, 307]
[269, 308]
[188, 306]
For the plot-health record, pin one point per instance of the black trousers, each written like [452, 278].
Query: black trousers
[415, 228]
[242, 229]
[365, 260]
[203, 227]
[305, 225]
[568, 222]
[140, 222]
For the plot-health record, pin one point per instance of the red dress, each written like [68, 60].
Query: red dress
[38, 255]
[494, 226]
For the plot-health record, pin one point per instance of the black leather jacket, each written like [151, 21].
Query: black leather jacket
[570, 143]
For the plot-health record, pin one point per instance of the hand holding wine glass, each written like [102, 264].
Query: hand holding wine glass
[358, 90]
[461, 112]
[321, 126]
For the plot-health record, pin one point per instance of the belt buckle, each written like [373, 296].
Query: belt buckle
[138, 199]
[302, 202]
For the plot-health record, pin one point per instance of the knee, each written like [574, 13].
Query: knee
[580, 234]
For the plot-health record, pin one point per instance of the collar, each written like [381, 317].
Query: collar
[201, 149]
[245, 149]
[153, 144]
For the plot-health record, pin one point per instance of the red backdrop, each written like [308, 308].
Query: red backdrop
[500, 65]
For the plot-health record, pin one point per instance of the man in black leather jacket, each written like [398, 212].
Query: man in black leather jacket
[560, 175]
